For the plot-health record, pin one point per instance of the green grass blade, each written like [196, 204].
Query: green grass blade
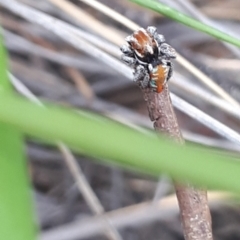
[15, 206]
[16, 215]
[107, 140]
[188, 21]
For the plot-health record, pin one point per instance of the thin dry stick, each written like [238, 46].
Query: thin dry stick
[81, 83]
[194, 210]
[87, 20]
[132, 216]
[111, 13]
[88, 193]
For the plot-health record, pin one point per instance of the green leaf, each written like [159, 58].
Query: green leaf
[102, 138]
[188, 21]
[16, 215]
[15, 205]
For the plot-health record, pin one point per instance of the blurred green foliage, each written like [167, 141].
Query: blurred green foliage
[16, 212]
[104, 139]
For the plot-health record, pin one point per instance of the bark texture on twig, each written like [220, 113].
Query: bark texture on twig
[162, 114]
[194, 210]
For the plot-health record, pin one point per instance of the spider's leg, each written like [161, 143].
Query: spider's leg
[170, 71]
[152, 31]
[130, 61]
[158, 37]
[139, 73]
[141, 76]
[167, 51]
[127, 50]
[145, 82]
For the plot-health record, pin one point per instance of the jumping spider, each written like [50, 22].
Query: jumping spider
[150, 57]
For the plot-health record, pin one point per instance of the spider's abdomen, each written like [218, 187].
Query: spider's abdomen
[159, 76]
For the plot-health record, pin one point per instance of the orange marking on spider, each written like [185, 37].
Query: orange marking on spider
[158, 77]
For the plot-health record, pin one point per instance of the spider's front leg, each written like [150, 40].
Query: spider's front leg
[167, 51]
[158, 37]
[130, 61]
[141, 76]
[125, 49]
[128, 55]
[170, 71]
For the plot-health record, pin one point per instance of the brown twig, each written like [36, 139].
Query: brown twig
[194, 210]
[150, 57]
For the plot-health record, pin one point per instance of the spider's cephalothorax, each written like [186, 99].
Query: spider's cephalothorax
[150, 56]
